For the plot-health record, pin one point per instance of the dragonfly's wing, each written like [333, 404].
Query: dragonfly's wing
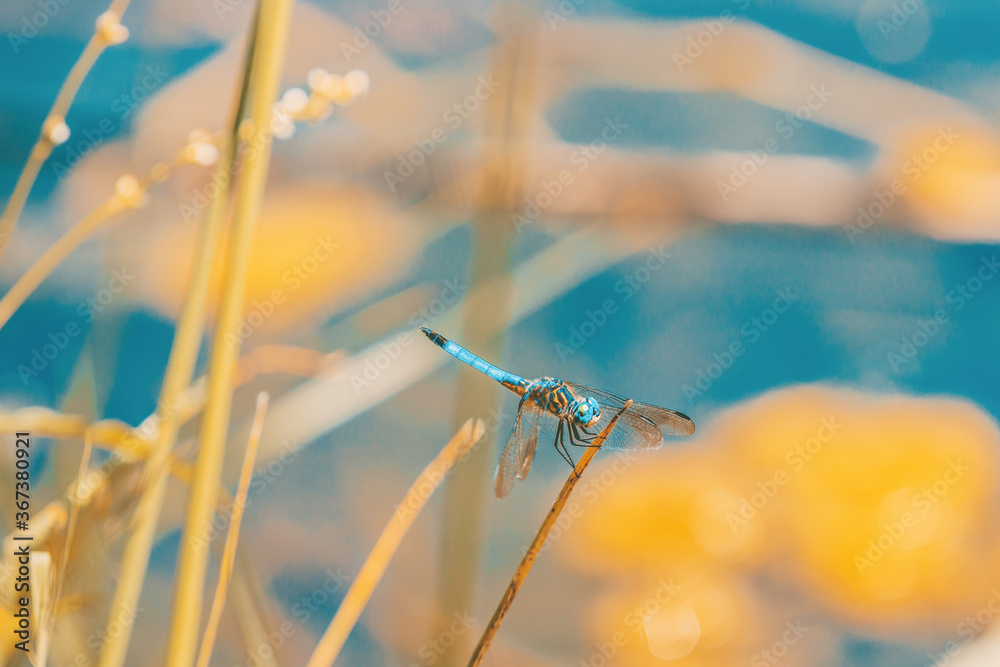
[529, 440]
[641, 427]
[519, 452]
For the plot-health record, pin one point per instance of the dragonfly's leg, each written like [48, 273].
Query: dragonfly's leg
[561, 445]
[584, 430]
[585, 441]
[567, 433]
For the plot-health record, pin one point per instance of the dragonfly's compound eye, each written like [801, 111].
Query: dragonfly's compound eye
[587, 412]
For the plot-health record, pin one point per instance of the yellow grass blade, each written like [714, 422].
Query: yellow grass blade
[104, 36]
[229, 551]
[265, 76]
[374, 567]
[180, 368]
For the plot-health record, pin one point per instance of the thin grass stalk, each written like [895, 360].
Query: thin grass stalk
[117, 436]
[44, 145]
[58, 571]
[265, 77]
[521, 573]
[55, 253]
[74, 513]
[129, 195]
[41, 604]
[251, 607]
[378, 560]
[232, 536]
[507, 121]
[180, 369]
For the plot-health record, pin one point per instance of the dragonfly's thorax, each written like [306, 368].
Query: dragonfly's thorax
[552, 395]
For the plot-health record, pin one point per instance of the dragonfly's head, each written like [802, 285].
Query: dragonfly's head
[585, 411]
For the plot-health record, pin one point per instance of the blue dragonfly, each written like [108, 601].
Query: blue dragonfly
[578, 414]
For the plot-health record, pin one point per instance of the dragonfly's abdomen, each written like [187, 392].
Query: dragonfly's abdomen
[513, 382]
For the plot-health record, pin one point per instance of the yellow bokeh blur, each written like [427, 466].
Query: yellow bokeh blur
[879, 510]
[950, 177]
[315, 250]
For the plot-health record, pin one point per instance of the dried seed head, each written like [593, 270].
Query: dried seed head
[294, 100]
[201, 152]
[127, 189]
[316, 77]
[281, 123]
[109, 28]
[357, 82]
[55, 130]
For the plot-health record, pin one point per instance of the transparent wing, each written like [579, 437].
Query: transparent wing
[519, 452]
[641, 427]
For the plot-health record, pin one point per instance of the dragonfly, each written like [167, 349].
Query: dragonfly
[579, 414]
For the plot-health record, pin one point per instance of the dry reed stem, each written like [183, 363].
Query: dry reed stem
[123, 440]
[507, 118]
[252, 608]
[232, 536]
[536, 545]
[177, 378]
[51, 608]
[43, 146]
[265, 76]
[54, 254]
[79, 233]
[266, 359]
[74, 513]
[378, 560]
[41, 604]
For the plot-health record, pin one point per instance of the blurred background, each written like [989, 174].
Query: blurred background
[779, 218]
